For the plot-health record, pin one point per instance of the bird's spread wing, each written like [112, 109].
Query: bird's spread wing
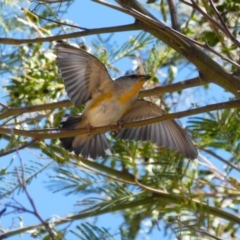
[166, 133]
[82, 73]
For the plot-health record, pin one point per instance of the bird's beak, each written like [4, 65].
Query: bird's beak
[145, 77]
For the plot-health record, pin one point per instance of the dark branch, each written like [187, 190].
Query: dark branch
[22, 182]
[174, 15]
[18, 148]
[58, 23]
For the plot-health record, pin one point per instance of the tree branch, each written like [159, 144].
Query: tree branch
[22, 182]
[128, 27]
[137, 6]
[17, 111]
[57, 22]
[122, 176]
[39, 135]
[222, 27]
[174, 15]
[231, 165]
[115, 7]
[144, 93]
[18, 148]
[193, 82]
[201, 231]
[210, 69]
[161, 196]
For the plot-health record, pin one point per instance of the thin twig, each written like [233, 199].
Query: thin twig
[228, 33]
[174, 15]
[4, 106]
[203, 232]
[221, 159]
[160, 196]
[42, 107]
[211, 167]
[189, 83]
[75, 160]
[35, 211]
[206, 65]
[18, 148]
[206, 46]
[129, 27]
[208, 17]
[222, 27]
[183, 37]
[195, 6]
[133, 4]
[11, 191]
[51, 1]
[30, 119]
[57, 22]
[110, 5]
[11, 118]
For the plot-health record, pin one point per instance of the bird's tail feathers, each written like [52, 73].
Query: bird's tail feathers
[95, 147]
[69, 122]
[86, 145]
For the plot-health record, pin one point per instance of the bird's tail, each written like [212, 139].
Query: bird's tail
[86, 145]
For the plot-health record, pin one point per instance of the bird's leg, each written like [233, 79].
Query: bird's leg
[119, 124]
[89, 128]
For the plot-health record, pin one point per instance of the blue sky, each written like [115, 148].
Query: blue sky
[89, 14]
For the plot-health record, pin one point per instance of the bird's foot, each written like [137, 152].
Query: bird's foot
[89, 128]
[119, 124]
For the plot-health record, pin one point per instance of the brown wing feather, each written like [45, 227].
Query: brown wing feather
[82, 73]
[167, 133]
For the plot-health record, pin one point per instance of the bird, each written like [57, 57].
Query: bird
[109, 102]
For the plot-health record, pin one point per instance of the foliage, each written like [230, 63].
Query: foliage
[155, 190]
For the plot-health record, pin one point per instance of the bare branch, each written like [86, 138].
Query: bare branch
[57, 22]
[222, 27]
[110, 5]
[163, 195]
[221, 159]
[202, 232]
[189, 83]
[137, 6]
[217, 173]
[206, 46]
[195, 6]
[4, 106]
[129, 27]
[227, 32]
[37, 134]
[206, 65]
[174, 15]
[52, 1]
[35, 212]
[18, 148]
[18, 111]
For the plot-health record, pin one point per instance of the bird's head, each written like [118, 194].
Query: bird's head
[130, 84]
[133, 79]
